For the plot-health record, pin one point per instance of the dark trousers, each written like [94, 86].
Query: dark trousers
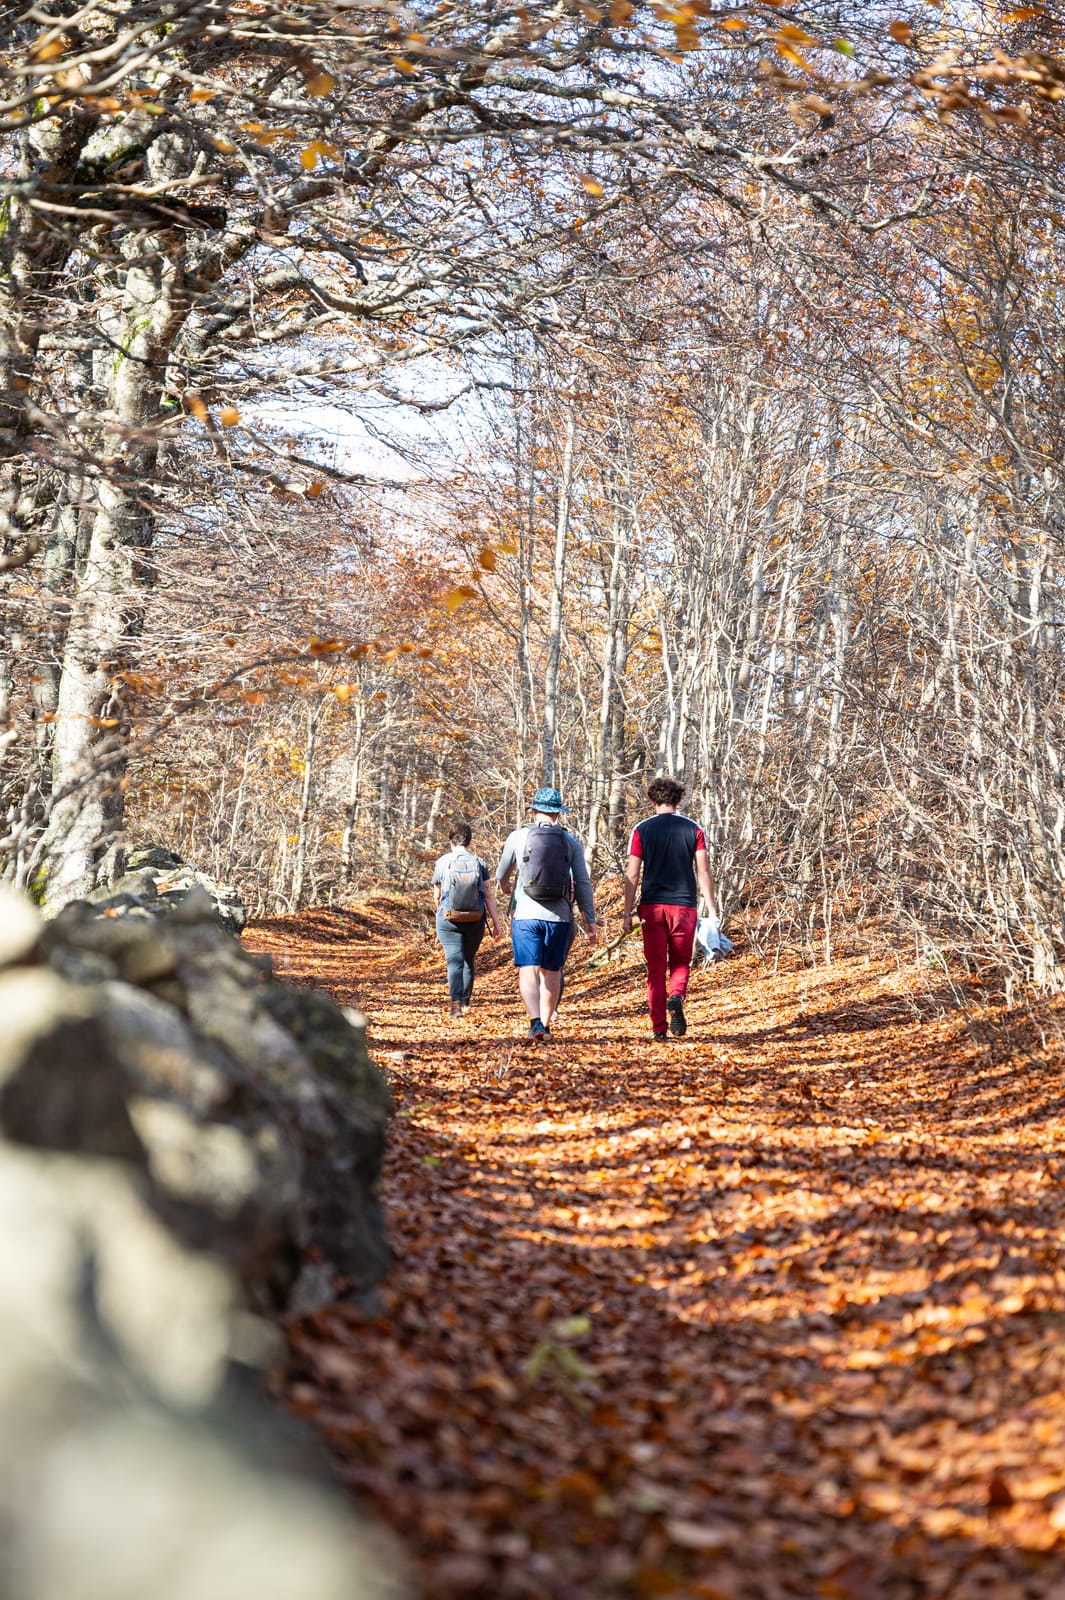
[461, 942]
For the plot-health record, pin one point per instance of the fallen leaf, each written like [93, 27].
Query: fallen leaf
[699, 1535]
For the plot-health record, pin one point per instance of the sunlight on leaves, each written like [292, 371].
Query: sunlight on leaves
[313, 153]
[49, 49]
[791, 34]
[791, 55]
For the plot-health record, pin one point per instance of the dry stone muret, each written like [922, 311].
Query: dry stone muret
[186, 1147]
[156, 880]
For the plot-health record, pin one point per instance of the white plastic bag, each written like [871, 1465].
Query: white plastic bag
[709, 936]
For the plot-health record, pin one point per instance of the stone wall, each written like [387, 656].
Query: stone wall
[185, 1147]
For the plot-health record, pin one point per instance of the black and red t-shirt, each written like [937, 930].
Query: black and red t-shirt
[666, 843]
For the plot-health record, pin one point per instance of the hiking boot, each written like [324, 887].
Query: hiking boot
[456, 1008]
[677, 1021]
[660, 1038]
[537, 1030]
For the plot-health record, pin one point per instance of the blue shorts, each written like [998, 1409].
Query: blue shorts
[540, 944]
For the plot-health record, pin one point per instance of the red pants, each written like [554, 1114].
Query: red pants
[668, 941]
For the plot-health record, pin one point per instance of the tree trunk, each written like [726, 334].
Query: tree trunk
[310, 745]
[611, 723]
[553, 670]
[88, 765]
[435, 803]
[351, 820]
[524, 701]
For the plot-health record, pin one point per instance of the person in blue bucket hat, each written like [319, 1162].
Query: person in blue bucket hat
[544, 865]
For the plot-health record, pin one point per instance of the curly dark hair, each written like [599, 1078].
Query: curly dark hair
[461, 833]
[665, 792]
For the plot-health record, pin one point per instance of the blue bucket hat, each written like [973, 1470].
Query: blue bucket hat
[548, 800]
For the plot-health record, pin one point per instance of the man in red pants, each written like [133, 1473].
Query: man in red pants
[671, 852]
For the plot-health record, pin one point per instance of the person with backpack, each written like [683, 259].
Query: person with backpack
[544, 864]
[670, 851]
[465, 905]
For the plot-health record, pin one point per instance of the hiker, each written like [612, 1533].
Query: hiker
[545, 865]
[465, 904]
[670, 849]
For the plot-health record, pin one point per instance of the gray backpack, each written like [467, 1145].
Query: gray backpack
[464, 888]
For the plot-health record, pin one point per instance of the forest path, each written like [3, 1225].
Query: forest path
[773, 1310]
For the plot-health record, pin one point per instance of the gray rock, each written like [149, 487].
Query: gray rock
[149, 958]
[126, 905]
[140, 885]
[232, 912]
[33, 1000]
[154, 856]
[230, 1170]
[170, 992]
[20, 927]
[128, 1469]
[137, 1506]
[313, 1066]
[334, 1043]
[61, 1085]
[160, 1054]
[225, 1169]
[313, 1289]
[344, 1214]
[201, 899]
[82, 927]
[190, 905]
[225, 1010]
[139, 946]
[94, 1287]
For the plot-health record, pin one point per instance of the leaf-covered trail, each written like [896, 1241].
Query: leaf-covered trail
[772, 1310]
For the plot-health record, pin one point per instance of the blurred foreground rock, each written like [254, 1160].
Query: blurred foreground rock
[178, 1132]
